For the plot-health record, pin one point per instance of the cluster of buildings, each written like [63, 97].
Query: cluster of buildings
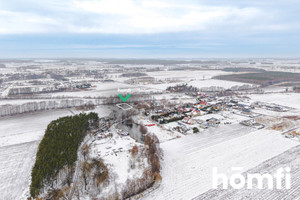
[187, 115]
[252, 123]
[197, 115]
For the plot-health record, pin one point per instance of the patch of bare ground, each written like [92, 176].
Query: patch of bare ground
[276, 123]
[293, 117]
[296, 133]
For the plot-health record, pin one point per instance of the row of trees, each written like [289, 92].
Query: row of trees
[58, 148]
[150, 175]
[189, 88]
[133, 99]
[32, 90]
[8, 110]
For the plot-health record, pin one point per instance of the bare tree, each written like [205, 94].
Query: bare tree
[85, 170]
[143, 129]
[85, 151]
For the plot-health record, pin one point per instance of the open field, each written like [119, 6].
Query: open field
[216, 83]
[197, 78]
[16, 162]
[27, 128]
[188, 162]
[19, 139]
[100, 90]
[285, 99]
[288, 158]
[186, 75]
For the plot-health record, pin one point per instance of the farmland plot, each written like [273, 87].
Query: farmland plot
[289, 158]
[188, 162]
[284, 99]
[16, 162]
[19, 139]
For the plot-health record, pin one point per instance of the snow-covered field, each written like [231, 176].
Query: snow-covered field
[26, 128]
[199, 83]
[218, 83]
[285, 99]
[270, 166]
[198, 79]
[19, 139]
[16, 162]
[186, 75]
[22, 101]
[101, 90]
[188, 161]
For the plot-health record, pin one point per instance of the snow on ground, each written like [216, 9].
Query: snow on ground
[5, 92]
[224, 116]
[163, 132]
[111, 86]
[162, 86]
[275, 113]
[23, 101]
[27, 128]
[101, 90]
[285, 99]
[198, 79]
[186, 74]
[188, 161]
[273, 88]
[212, 82]
[115, 152]
[289, 158]
[19, 139]
[101, 110]
[175, 98]
[199, 83]
[84, 93]
[16, 162]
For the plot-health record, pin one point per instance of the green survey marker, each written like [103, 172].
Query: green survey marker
[124, 98]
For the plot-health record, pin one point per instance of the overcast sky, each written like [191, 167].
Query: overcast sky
[147, 28]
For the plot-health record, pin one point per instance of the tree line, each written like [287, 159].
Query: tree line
[8, 110]
[58, 148]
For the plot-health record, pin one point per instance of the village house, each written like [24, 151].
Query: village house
[213, 122]
[188, 120]
[195, 113]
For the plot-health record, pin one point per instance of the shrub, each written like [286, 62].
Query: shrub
[195, 130]
[134, 150]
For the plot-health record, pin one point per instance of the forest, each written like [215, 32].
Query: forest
[263, 78]
[58, 149]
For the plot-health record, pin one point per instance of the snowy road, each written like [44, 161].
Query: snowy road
[188, 161]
